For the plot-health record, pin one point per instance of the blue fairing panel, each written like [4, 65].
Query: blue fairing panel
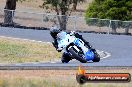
[76, 42]
[89, 55]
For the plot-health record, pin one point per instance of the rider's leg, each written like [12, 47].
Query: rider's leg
[77, 35]
[65, 58]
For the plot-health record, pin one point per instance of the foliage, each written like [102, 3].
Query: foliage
[115, 10]
[60, 6]
[110, 9]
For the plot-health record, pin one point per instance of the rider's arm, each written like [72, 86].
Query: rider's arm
[55, 44]
[77, 35]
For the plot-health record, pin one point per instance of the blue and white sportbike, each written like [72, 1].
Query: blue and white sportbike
[76, 48]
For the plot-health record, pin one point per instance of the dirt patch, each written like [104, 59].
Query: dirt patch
[36, 73]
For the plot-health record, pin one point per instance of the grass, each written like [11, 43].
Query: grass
[27, 83]
[21, 82]
[53, 78]
[20, 51]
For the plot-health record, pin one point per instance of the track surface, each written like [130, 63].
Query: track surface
[120, 46]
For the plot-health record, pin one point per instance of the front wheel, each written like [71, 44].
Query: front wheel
[76, 56]
[96, 57]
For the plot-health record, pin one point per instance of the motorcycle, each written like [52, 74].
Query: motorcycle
[76, 48]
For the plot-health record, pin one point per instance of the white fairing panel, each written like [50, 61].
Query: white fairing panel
[64, 40]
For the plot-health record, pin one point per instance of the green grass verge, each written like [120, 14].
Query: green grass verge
[20, 51]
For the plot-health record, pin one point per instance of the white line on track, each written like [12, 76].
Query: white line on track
[107, 55]
[23, 39]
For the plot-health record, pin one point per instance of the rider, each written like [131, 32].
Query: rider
[65, 56]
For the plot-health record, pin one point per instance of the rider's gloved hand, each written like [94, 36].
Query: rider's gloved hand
[59, 50]
[56, 46]
[53, 43]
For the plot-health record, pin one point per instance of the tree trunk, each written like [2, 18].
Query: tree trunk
[74, 5]
[9, 11]
[63, 17]
[63, 23]
[8, 19]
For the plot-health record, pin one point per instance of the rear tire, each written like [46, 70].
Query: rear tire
[65, 58]
[76, 56]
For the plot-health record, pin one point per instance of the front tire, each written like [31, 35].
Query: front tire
[96, 57]
[76, 56]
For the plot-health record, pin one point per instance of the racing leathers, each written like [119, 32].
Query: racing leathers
[65, 56]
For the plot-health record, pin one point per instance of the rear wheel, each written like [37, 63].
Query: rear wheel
[76, 56]
[65, 58]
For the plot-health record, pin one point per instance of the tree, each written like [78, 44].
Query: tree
[61, 7]
[75, 2]
[10, 6]
[110, 9]
[9, 11]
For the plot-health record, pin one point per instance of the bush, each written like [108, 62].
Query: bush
[110, 9]
[114, 10]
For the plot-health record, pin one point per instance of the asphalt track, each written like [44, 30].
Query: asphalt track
[119, 46]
